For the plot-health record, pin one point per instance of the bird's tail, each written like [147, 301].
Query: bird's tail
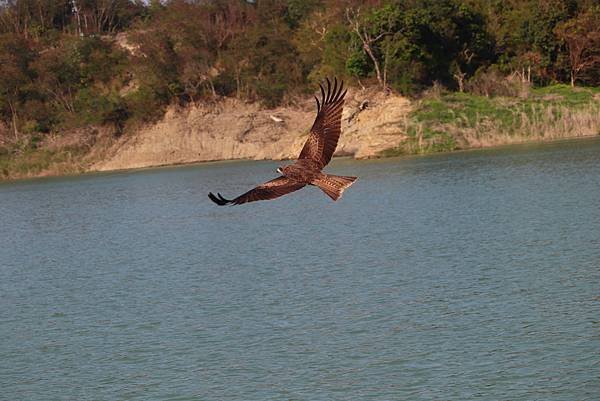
[333, 185]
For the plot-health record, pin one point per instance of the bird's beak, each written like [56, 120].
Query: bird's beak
[279, 170]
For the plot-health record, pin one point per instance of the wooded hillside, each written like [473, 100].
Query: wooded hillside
[73, 63]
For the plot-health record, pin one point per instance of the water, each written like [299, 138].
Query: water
[466, 276]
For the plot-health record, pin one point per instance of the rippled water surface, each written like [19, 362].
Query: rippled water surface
[466, 276]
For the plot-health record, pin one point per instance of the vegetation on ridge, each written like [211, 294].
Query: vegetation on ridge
[68, 65]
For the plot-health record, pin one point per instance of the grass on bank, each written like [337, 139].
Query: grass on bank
[30, 162]
[451, 121]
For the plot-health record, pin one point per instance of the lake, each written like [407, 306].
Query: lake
[464, 276]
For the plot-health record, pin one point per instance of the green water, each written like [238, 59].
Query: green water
[466, 276]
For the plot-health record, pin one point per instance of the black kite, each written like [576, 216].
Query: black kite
[315, 155]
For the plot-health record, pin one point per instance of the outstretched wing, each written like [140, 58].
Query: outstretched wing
[326, 129]
[269, 190]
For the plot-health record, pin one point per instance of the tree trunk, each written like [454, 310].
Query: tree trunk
[77, 16]
[41, 15]
[572, 79]
[461, 82]
[212, 88]
[375, 62]
[353, 19]
[385, 65]
[13, 112]
[459, 76]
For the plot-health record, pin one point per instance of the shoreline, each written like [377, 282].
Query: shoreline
[374, 125]
[543, 142]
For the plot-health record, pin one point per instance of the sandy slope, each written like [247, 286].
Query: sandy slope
[232, 129]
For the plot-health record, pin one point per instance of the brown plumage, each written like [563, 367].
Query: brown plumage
[316, 153]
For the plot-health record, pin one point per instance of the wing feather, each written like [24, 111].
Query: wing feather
[269, 190]
[326, 129]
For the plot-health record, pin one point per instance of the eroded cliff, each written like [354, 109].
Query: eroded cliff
[232, 129]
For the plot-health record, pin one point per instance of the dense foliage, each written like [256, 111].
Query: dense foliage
[71, 63]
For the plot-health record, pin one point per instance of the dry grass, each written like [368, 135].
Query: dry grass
[71, 153]
[543, 123]
[40, 162]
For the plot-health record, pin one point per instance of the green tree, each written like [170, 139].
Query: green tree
[524, 32]
[410, 44]
[15, 56]
[79, 78]
[582, 37]
[264, 64]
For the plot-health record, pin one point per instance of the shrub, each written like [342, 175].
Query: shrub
[143, 105]
[490, 82]
[271, 93]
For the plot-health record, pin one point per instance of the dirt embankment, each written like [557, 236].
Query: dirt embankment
[232, 129]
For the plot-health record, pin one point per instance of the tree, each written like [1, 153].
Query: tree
[104, 16]
[264, 64]
[15, 56]
[371, 30]
[582, 37]
[58, 75]
[80, 79]
[471, 46]
[526, 43]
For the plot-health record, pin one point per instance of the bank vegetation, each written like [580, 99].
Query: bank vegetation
[81, 76]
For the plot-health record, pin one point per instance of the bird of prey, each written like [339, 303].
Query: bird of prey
[315, 155]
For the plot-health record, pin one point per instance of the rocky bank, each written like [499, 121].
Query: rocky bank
[232, 129]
